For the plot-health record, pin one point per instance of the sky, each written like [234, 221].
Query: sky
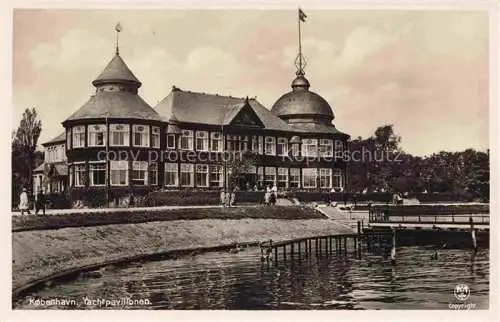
[425, 72]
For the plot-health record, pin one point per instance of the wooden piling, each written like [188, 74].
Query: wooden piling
[275, 254]
[393, 248]
[298, 246]
[292, 246]
[284, 252]
[473, 235]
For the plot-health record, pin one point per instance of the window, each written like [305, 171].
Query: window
[79, 136]
[97, 135]
[201, 141]
[139, 175]
[270, 176]
[255, 143]
[294, 178]
[153, 174]
[119, 134]
[325, 148]
[270, 147]
[237, 142]
[155, 137]
[282, 177]
[202, 175]
[187, 175]
[140, 135]
[216, 142]
[337, 178]
[310, 147]
[216, 176]
[309, 177]
[97, 174]
[260, 176]
[339, 147]
[79, 175]
[170, 141]
[261, 145]
[186, 140]
[118, 173]
[282, 148]
[325, 178]
[171, 176]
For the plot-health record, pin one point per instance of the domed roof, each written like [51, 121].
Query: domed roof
[116, 71]
[301, 102]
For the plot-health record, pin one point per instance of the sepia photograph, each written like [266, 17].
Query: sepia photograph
[293, 158]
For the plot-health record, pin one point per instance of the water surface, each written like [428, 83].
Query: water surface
[222, 280]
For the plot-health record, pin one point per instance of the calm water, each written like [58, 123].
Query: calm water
[241, 281]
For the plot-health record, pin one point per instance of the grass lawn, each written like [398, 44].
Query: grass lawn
[126, 216]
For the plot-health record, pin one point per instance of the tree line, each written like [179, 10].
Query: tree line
[462, 175]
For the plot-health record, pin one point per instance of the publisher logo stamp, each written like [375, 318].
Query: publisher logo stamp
[462, 292]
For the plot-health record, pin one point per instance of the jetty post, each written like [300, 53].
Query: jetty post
[473, 234]
[393, 248]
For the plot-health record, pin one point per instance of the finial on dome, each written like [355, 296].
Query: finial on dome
[118, 29]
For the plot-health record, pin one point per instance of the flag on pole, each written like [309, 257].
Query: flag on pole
[118, 27]
[302, 15]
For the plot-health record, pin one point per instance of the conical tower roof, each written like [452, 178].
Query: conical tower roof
[116, 72]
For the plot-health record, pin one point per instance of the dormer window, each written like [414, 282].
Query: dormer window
[97, 135]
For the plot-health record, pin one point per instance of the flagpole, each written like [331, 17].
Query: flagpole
[300, 44]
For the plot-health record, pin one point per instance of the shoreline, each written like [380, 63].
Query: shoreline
[38, 255]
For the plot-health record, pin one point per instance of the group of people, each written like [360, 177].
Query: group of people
[271, 195]
[40, 202]
[228, 198]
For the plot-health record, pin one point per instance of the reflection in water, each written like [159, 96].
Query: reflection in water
[241, 281]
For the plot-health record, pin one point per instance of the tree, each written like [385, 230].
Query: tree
[24, 143]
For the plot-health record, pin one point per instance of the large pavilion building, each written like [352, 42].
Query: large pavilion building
[116, 143]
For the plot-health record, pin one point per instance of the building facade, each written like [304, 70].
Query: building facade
[117, 144]
[52, 174]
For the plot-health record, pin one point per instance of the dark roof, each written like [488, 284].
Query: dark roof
[61, 169]
[40, 168]
[53, 169]
[192, 107]
[58, 139]
[116, 70]
[302, 102]
[315, 128]
[115, 105]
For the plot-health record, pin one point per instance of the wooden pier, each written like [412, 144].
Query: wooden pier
[390, 227]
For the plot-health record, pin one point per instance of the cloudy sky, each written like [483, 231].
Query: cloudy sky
[426, 72]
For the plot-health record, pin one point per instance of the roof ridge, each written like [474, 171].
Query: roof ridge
[177, 90]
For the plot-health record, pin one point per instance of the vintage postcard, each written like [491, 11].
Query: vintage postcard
[266, 158]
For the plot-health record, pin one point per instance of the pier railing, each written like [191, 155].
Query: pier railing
[311, 246]
[431, 214]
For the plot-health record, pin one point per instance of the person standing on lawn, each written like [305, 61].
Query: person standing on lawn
[23, 202]
[233, 197]
[223, 197]
[40, 202]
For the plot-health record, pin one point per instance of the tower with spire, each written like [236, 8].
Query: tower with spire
[114, 118]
